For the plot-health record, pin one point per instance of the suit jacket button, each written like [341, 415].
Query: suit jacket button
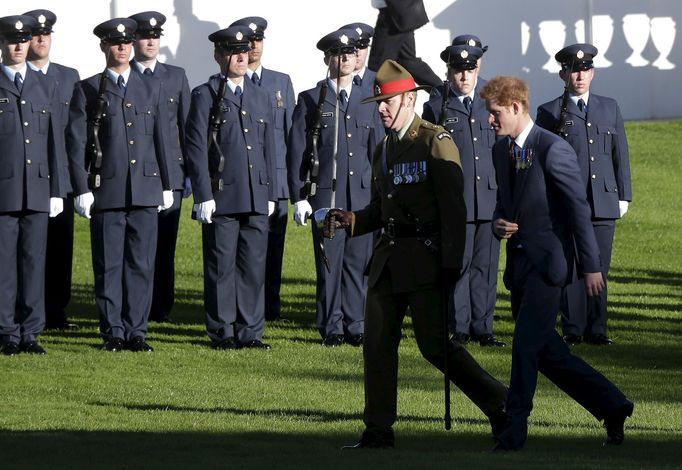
[391, 243]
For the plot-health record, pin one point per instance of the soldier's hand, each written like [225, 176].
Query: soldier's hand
[302, 210]
[504, 229]
[623, 207]
[187, 192]
[336, 219]
[594, 283]
[205, 212]
[56, 206]
[83, 204]
[167, 201]
[271, 208]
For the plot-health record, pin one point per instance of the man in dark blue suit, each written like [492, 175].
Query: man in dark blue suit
[59, 254]
[543, 214]
[175, 94]
[31, 186]
[362, 76]
[593, 125]
[122, 190]
[354, 133]
[231, 157]
[466, 119]
[281, 91]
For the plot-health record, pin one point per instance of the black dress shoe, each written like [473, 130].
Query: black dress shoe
[461, 338]
[255, 344]
[9, 349]
[490, 341]
[138, 344]
[227, 343]
[614, 424]
[371, 441]
[573, 340]
[113, 345]
[32, 347]
[598, 340]
[356, 340]
[333, 341]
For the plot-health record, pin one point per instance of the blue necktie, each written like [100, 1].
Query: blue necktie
[18, 81]
[343, 99]
[255, 79]
[121, 82]
[467, 104]
[357, 80]
[238, 93]
[582, 106]
[148, 72]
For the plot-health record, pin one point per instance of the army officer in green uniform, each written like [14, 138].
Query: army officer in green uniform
[417, 200]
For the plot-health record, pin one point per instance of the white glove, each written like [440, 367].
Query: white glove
[623, 207]
[167, 201]
[302, 211]
[271, 208]
[83, 204]
[205, 211]
[188, 188]
[56, 206]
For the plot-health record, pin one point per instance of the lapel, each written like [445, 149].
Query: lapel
[330, 97]
[232, 98]
[355, 98]
[455, 104]
[522, 175]
[574, 110]
[7, 84]
[112, 86]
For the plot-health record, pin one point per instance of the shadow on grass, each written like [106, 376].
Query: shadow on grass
[648, 276]
[259, 449]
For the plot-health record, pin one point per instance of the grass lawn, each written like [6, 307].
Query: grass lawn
[188, 406]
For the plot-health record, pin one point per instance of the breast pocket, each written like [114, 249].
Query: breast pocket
[487, 134]
[7, 118]
[605, 135]
[146, 116]
[41, 113]
[362, 129]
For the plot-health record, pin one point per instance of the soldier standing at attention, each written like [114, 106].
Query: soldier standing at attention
[466, 118]
[231, 156]
[118, 156]
[31, 170]
[59, 257]
[593, 125]
[417, 200]
[281, 91]
[341, 281]
[175, 94]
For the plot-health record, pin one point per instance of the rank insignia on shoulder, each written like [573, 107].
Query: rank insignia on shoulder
[444, 135]
[452, 120]
[329, 114]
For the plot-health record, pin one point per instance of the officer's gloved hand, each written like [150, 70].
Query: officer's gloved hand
[167, 201]
[623, 207]
[83, 204]
[271, 208]
[56, 206]
[336, 219]
[302, 210]
[188, 188]
[205, 211]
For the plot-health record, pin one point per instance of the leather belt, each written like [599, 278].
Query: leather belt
[398, 230]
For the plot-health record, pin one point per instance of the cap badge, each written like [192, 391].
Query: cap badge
[464, 54]
[359, 31]
[580, 54]
[19, 25]
[253, 27]
[377, 89]
[471, 42]
[239, 36]
[41, 19]
[152, 21]
[343, 39]
[120, 28]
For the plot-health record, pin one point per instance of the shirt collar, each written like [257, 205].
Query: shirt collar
[348, 88]
[259, 71]
[43, 69]
[585, 97]
[114, 76]
[521, 138]
[403, 131]
[141, 67]
[234, 85]
[10, 73]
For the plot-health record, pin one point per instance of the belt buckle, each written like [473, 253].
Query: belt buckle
[390, 230]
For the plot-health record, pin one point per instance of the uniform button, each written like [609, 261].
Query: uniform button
[477, 157]
[390, 196]
[325, 126]
[349, 135]
[260, 120]
[28, 141]
[591, 141]
[171, 100]
[478, 178]
[129, 124]
[350, 154]
[250, 166]
[25, 124]
[451, 131]
[475, 139]
[473, 120]
[248, 147]
[391, 219]
[129, 105]
[132, 162]
[246, 131]
[589, 124]
[390, 172]
[347, 117]
[179, 159]
[23, 101]
[155, 174]
[43, 111]
[591, 159]
[149, 112]
[391, 243]
[224, 121]
[594, 177]
[28, 162]
[131, 142]
[350, 172]
[243, 113]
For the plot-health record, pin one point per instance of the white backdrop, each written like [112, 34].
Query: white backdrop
[640, 50]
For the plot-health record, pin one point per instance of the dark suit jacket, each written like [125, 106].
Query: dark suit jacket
[360, 129]
[32, 156]
[247, 141]
[474, 138]
[281, 91]
[406, 15]
[133, 136]
[175, 94]
[602, 148]
[435, 202]
[550, 206]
